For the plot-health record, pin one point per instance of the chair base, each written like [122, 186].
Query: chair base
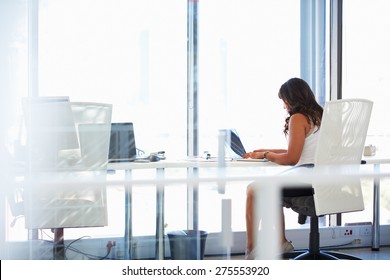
[58, 244]
[319, 255]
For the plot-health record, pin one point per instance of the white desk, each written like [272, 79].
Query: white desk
[160, 166]
[377, 160]
[186, 164]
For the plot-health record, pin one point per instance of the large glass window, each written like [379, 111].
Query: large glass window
[121, 53]
[118, 52]
[247, 49]
[366, 75]
[244, 57]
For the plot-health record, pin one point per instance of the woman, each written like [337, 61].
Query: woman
[301, 126]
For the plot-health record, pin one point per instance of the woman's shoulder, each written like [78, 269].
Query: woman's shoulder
[299, 117]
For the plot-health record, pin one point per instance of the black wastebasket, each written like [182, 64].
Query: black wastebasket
[187, 244]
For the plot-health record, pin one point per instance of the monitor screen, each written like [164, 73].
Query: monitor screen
[50, 128]
[122, 142]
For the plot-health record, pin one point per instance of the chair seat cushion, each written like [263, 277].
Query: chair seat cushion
[300, 204]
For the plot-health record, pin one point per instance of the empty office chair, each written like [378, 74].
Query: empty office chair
[338, 157]
[65, 186]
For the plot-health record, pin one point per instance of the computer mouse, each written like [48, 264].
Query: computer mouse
[153, 158]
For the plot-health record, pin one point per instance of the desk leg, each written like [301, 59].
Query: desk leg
[375, 222]
[193, 199]
[128, 236]
[160, 254]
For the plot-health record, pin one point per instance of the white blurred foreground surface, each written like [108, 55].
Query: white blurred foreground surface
[189, 269]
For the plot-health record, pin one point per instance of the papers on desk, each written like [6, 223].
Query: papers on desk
[251, 159]
[208, 159]
[215, 159]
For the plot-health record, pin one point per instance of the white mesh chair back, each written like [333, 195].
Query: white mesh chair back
[49, 129]
[74, 195]
[339, 152]
[93, 124]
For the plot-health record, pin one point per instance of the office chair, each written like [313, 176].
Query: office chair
[67, 189]
[338, 157]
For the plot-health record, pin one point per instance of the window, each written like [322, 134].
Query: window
[244, 57]
[366, 75]
[247, 50]
[120, 53]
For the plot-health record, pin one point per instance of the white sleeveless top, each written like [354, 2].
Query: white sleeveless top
[309, 148]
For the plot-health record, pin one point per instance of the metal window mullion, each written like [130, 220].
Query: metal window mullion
[33, 48]
[336, 26]
[336, 18]
[192, 78]
[192, 109]
[313, 47]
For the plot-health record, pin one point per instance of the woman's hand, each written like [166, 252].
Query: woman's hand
[254, 154]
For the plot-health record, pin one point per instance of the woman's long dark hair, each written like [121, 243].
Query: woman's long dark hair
[299, 98]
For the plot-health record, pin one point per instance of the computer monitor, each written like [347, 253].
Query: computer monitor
[234, 144]
[122, 142]
[50, 128]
